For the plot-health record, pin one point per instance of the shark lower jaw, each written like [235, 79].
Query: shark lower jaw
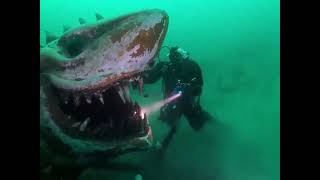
[106, 114]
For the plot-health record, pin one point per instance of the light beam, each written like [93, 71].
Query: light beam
[156, 106]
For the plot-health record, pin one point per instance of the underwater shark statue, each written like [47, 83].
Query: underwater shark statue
[86, 112]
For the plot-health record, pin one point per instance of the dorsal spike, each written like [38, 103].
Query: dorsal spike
[50, 37]
[99, 17]
[82, 21]
[66, 28]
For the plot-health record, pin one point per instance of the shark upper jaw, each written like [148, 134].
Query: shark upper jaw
[97, 55]
[89, 69]
[103, 117]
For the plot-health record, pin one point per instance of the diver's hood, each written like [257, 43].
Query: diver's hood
[184, 54]
[178, 52]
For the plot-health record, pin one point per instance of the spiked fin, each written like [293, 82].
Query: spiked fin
[99, 17]
[50, 37]
[66, 28]
[82, 21]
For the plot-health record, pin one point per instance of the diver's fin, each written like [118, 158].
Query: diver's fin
[99, 17]
[50, 37]
[66, 28]
[82, 21]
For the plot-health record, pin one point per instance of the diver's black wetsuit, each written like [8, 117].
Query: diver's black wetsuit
[184, 75]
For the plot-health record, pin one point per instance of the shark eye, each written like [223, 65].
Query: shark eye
[73, 45]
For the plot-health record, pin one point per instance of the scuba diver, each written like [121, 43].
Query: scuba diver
[180, 75]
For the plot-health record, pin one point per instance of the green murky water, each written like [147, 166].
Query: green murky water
[237, 45]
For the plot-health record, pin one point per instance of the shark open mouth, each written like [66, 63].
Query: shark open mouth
[86, 75]
[105, 114]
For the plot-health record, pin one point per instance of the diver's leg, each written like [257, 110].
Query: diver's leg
[165, 143]
[194, 113]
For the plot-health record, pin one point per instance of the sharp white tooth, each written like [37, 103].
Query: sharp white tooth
[76, 124]
[101, 99]
[126, 92]
[84, 124]
[99, 96]
[120, 92]
[104, 90]
[88, 99]
[76, 100]
[140, 86]
[145, 120]
[141, 125]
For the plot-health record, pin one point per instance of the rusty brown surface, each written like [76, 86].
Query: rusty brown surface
[146, 39]
[117, 35]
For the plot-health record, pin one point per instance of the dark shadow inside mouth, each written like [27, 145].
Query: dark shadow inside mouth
[112, 119]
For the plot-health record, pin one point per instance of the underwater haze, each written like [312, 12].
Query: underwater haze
[237, 45]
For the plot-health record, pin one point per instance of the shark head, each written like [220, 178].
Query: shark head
[85, 77]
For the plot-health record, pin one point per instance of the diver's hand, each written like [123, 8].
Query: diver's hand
[138, 177]
[157, 146]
